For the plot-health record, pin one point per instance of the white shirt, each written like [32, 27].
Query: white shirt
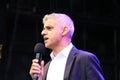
[57, 65]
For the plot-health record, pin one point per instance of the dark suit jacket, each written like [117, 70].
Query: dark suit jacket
[80, 65]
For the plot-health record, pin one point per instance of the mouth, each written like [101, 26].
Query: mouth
[45, 38]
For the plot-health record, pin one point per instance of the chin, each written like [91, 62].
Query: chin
[47, 46]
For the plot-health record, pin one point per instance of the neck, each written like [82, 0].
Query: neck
[60, 47]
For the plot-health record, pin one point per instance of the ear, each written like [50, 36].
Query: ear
[65, 31]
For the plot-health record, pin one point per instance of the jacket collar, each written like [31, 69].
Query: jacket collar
[69, 63]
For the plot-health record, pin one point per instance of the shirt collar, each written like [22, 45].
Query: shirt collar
[64, 52]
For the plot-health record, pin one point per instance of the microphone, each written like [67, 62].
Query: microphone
[39, 50]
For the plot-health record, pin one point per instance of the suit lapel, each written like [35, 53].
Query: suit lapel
[46, 70]
[69, 63]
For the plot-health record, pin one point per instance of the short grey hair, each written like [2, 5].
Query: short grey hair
[63, 19]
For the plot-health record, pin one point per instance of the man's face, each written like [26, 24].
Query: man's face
[52, 33]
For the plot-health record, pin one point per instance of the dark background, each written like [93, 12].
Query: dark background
[97, 29]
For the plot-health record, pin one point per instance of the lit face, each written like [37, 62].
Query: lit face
[52, 33]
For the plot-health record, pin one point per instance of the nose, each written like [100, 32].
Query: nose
[43, 32]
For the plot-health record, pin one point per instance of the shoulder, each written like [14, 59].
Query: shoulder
[84, 55]
[81, 52]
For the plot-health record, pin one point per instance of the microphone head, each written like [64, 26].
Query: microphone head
[39, 48]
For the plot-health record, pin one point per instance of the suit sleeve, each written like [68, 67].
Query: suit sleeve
[93, 68]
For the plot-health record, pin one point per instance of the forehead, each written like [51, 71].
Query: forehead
[50, 21]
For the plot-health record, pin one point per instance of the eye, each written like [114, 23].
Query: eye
[49, 27]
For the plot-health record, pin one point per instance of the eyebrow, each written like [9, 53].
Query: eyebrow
[48, 27]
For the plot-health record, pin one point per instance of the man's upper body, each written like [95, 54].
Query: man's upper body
[80, 65]
[76, 65]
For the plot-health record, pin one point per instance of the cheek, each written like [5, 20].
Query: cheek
[58, 32]
[56, 37]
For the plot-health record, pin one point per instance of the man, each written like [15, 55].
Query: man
[67, 62]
